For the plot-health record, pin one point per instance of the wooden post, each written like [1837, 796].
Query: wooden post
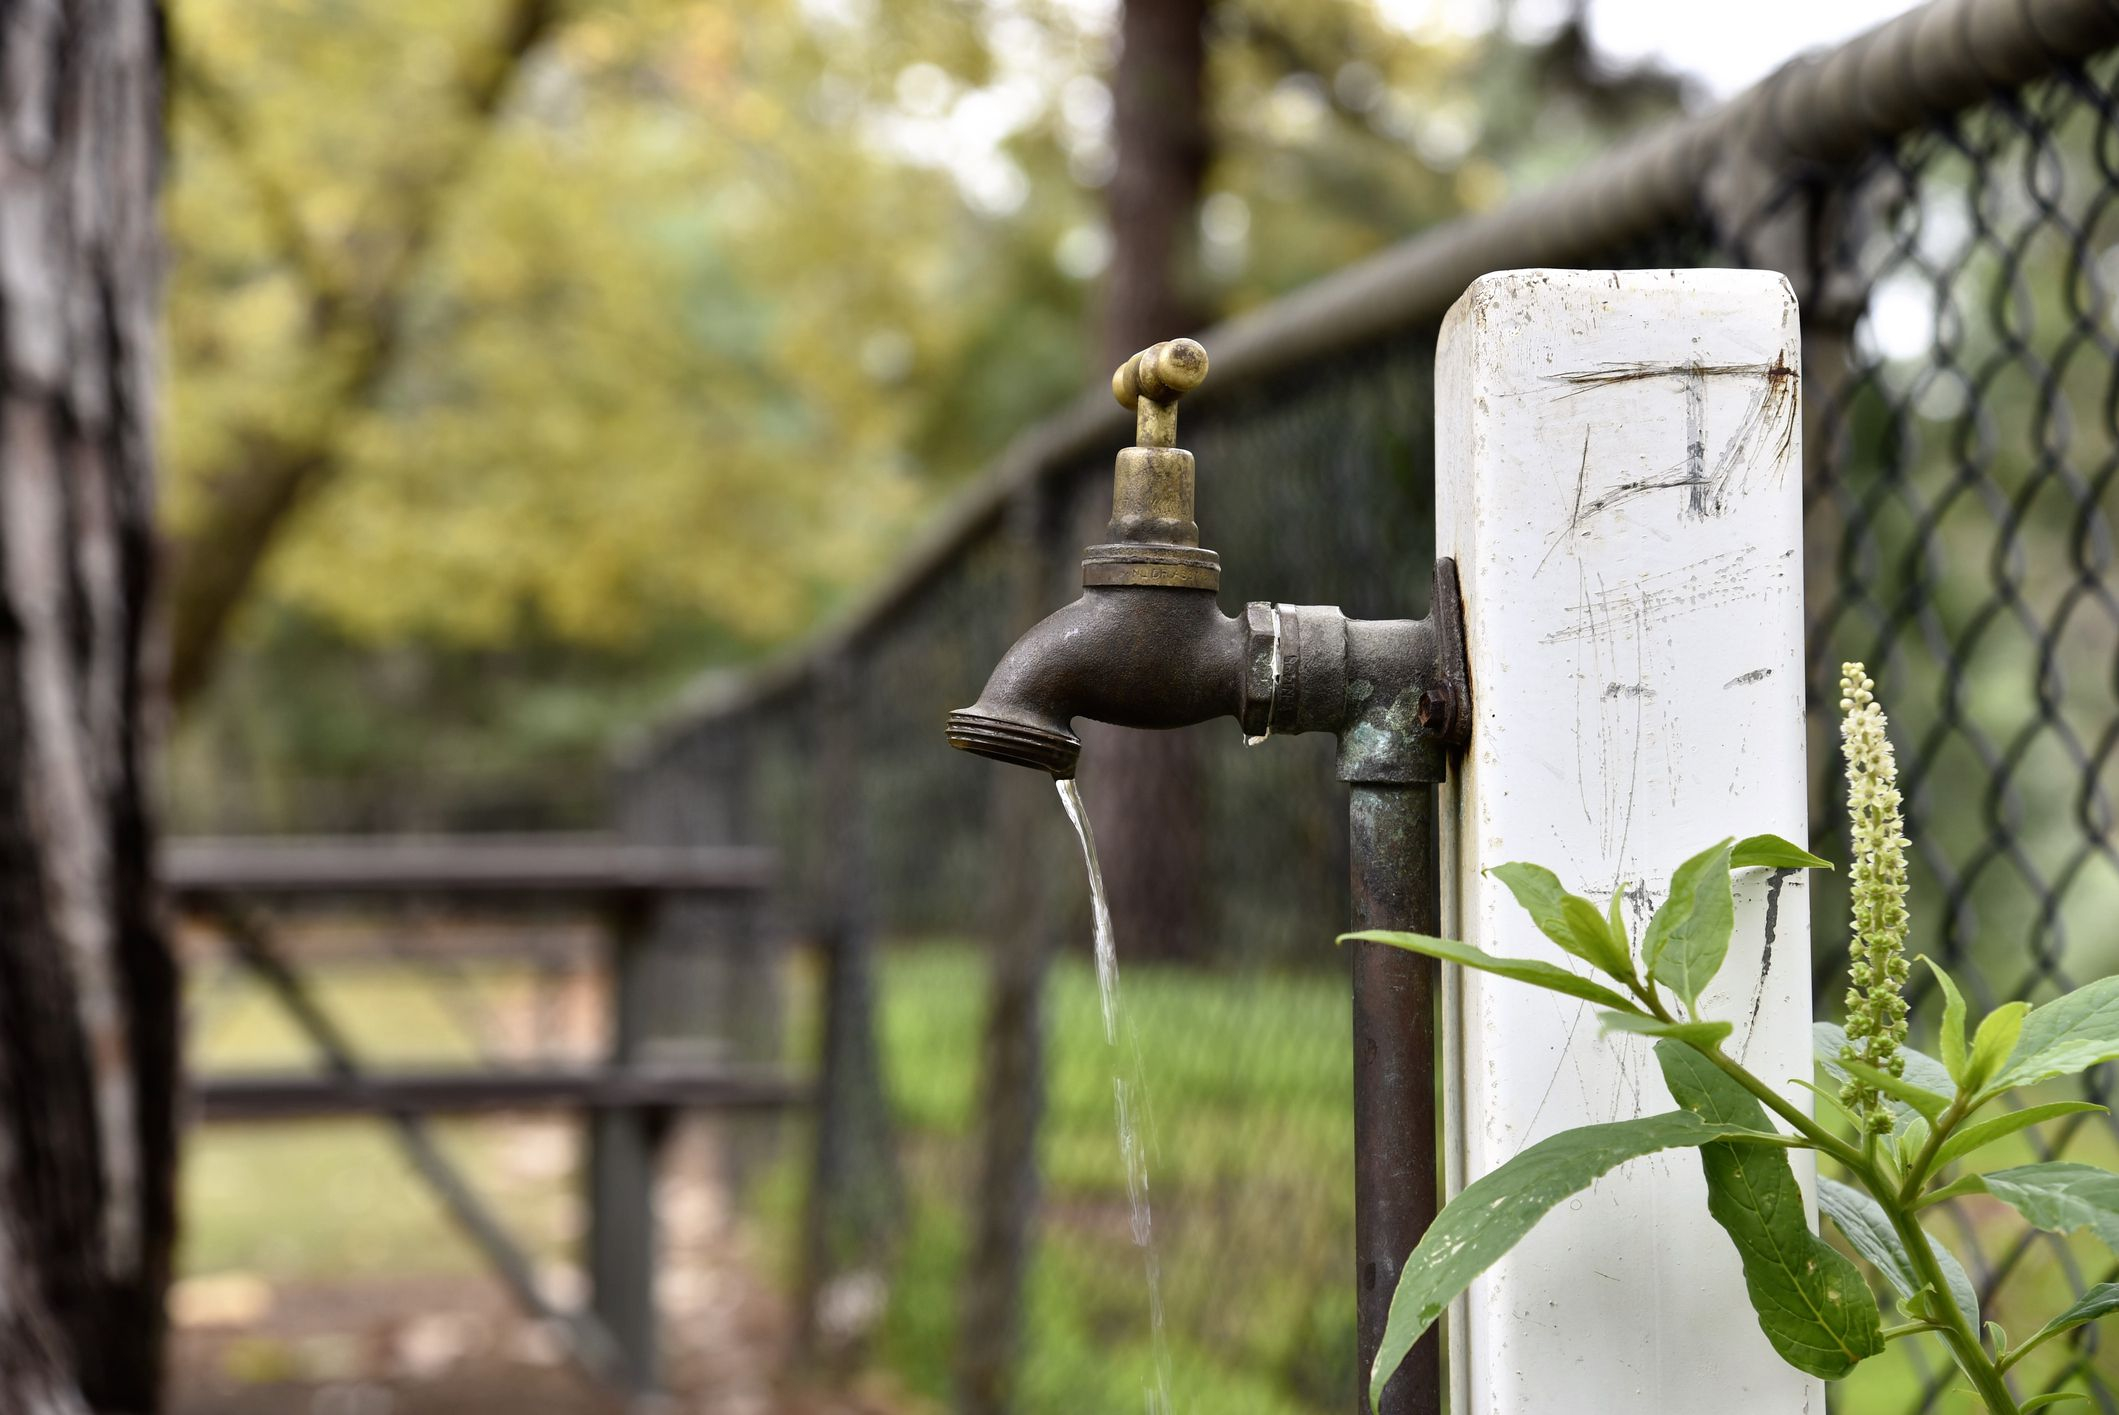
[1619, 480]
[624, 1145]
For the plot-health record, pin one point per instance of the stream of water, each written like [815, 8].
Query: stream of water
[1129, 1094]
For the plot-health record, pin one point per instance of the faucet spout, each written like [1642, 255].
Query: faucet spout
[1131, 655]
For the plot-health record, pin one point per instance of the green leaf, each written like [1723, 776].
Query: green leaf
[1922, 1303]
[1497, 1209]
[1953, 1042]
[1616, 921]
[1998, 1034]
[1863, 1220]
[2061, 1197]
[1928, 1103]
[1698, 1034]
[1534, 971]
[2099, 1301]
[1998, 1337]
[1955, 1189]
[1773, 853]
[1812, 1303]
[1910, 1141]
[2047, 1402]
[1689, 936]
[1974, 1137]
[2067, 1035]
[1567, 919]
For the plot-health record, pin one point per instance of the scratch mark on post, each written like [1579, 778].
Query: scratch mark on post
[1718, 579]
[1574, 517]
[1696, 439]
[1585, 647]
[1633, 371]
[1633, 776]
[1770, 408]
[1756, 675]
[1628, 690]
[1530, 1127]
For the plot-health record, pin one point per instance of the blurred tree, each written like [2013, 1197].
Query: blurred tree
[556, 336]
[1143, 787]
[88, 991]
[340, 321]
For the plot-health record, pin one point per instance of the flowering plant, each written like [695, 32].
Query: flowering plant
[1900, 1125]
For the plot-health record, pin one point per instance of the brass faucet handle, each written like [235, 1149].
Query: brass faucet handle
[1151, 382]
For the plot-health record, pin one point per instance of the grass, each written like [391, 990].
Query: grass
[1250, 1157]
[1250, 1148]
[1250, 1164]
[323, 1199]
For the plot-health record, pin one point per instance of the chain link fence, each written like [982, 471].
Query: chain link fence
[1944, 194]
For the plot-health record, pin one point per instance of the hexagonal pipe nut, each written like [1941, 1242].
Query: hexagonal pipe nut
[1261, 673]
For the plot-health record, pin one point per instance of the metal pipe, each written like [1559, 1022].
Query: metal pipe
[1396, 880]
[1147, 646]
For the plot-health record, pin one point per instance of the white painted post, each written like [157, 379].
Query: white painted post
[1620, 482]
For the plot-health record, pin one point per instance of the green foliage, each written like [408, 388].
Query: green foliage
[2061, 1197]
[1773, 853]
[1535, 971]
[2095, 1303]
[1497, 1209]
[1868, 1228]
[1954, 1054]
[1978, 1137]
[1696, 1033]
[1998, 1036]
[1568, 920]
[1811, 1302]
[659, 356]
[2066, 1036]
[1689, 936]
[1813, 1306]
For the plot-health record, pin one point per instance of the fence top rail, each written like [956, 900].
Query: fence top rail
[531, 869]
[1816, 111]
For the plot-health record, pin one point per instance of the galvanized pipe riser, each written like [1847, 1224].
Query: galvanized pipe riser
[1396, 879]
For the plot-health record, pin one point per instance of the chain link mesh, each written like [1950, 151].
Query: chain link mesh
[1962, 448]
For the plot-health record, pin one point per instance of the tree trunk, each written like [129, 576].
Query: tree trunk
[1143, 788]
[87, 984]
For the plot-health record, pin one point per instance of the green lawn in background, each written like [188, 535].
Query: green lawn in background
[1249, 1163]
[1250, 1168]
[330, 1198]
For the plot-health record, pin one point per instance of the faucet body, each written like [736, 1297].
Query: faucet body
[1160, 656]
[1132, 655]
[1147, 645]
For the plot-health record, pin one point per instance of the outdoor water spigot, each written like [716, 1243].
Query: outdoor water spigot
[1146, 645]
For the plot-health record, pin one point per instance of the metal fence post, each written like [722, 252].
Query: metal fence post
[855, 1200]
[1012, 1069]
[1619, 479]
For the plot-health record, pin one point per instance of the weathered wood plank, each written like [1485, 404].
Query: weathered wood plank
[309, 1095]
[499, 868]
